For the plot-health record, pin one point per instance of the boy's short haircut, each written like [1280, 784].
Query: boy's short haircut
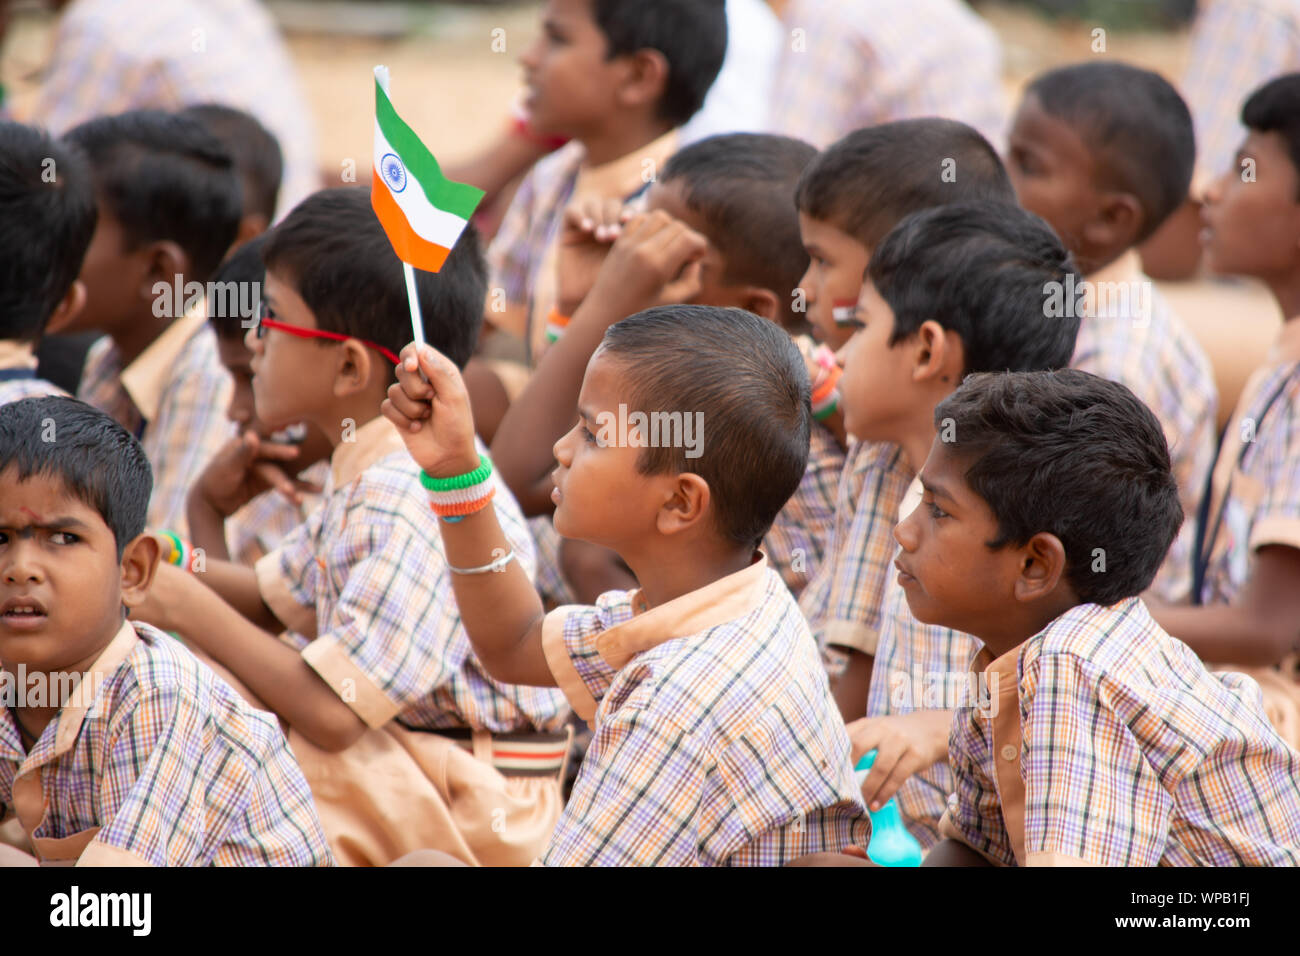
[751, 399]
[742, 186]
[47, 218]
[869, 180]
[691, 35]
[243, 266]
[257, 155]
[98, 461]
[1136, 126]
[1076, 455]
[983, 270]
[164, 176]
[1275, 108]
[338, 257]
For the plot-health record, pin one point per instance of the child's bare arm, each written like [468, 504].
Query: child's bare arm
[237, 586]
[272, 670]
[500, 609]
[1260, 628]
[656, 259]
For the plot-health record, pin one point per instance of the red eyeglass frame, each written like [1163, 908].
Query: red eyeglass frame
[265, 323]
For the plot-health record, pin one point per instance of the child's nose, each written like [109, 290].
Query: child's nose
[905, 533]
[563, 449]
[252, 342]
[20, 568]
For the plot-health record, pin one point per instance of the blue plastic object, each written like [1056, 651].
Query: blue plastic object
[891, 844]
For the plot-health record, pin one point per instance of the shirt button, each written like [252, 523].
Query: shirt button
[1008, 752]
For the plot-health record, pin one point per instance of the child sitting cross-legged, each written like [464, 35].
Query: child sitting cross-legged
[716, 740]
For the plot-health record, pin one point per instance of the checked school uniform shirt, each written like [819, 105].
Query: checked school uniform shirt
[1156, 356]
[715, 738]
[173, 398]
[18, 379]
[159, 763]
[842, 601]
[797, 541]
[1112, 745]
[854, 64]
[365, 581]
[258, 528]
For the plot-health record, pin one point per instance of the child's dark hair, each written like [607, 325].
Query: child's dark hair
[1075, 455]
[338, 257]
[753, 396]
[163, 176]
[869, 180]
[985, 270]
[243, 267]
[742, 186]
[98, 461]
[1136, 126]
[691, 35]
[47, 218]
[1275, 108]
[256, 153]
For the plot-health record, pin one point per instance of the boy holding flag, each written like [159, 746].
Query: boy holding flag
[406, 741]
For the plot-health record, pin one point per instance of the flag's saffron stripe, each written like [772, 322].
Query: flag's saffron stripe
[407, 243]
[458, 199]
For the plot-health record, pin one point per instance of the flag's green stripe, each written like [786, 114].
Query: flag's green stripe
[458, 199]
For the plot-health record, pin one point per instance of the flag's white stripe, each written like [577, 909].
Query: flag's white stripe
[431, 223]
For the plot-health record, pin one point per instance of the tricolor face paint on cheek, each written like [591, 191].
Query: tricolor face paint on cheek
[843, 311]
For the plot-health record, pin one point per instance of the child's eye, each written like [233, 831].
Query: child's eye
[935, 511]
[587, 436]
[64, 537]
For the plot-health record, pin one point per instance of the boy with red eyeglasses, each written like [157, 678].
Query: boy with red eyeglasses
[406, 741]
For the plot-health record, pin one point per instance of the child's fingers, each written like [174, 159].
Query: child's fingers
[403, 422]
[277, 451]
[444, 376]
[865, 735]
[887, 756]
[907, 765]
[275, 477]
[415, 410]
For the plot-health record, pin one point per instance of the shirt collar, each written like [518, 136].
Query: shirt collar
[145, 377]
[376, 439]
[17, 355]
[723, 600]
[59, 736]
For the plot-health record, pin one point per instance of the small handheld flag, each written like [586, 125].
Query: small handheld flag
[422, 211]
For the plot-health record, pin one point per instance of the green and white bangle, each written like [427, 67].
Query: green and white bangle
[453, 498]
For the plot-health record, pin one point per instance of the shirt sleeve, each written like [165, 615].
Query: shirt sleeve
[1277, 517]
[637, 799]
[289, 576]
[974, 814]
[569, 640]
[1090, 796]
[393, 633]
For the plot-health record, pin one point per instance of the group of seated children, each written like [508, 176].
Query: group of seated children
[925, 486]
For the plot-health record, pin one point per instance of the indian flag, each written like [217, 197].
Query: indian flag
[422, 210]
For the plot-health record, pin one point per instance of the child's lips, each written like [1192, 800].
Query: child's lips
[23, 614]
[905, 577]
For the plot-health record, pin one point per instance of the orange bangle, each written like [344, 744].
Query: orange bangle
[828, 385]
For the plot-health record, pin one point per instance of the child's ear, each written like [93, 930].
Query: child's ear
[1042, 566]
[686, 504]
[354, 369]
[69, 307]
[139, 564]
[940, 355]
[1117, 223]
[163, 261]
[645, 80]
[762, 302]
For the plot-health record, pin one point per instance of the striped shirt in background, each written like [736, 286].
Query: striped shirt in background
[1125, 751]
[1129, 334]
[173, 398]
[365, 580]
[18, 379]
[110, 56]
[1237, 47]
[842, 601]
[716, 740]
[847, 64]
[168, 763]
